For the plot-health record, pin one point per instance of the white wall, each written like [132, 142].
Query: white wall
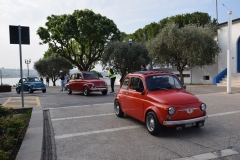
[198, 74]
[223, 44]
[187, 80]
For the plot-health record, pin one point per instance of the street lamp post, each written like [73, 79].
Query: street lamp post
[1, 76]
[28, 62]
[130, 42]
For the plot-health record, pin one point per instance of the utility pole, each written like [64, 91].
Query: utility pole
[229, 66]
[217, 11]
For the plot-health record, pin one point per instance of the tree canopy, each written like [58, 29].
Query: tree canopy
[189, 46]
[79, 37]
[51, 66]
[151, 30]
[125, 58]
[143, 35]
[197, 18]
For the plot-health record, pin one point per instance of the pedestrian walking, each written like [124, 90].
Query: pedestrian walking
[143, 68]
[41, 79]
[47, 81]
[112, 76]
[62, 77]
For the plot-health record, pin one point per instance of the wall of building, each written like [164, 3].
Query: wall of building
[187, 80]
[197, 75]
[223, 44]
[205, 74]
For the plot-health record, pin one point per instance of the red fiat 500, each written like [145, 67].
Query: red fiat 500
[86, 82]
[159, 99]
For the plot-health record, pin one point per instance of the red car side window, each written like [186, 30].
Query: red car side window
[125, 83]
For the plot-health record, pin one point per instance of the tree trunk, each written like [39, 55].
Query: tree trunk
[54, 83]
[121, 80]
[181, 76]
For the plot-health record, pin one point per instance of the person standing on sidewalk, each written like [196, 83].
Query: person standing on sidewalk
[62, 77]
[112, 76]
[47, 81]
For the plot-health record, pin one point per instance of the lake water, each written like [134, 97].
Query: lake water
[14, 81]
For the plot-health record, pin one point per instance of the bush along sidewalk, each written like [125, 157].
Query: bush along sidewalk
[5, 88]
[13, 126]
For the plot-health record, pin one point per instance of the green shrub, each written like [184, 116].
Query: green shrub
[12, 127]
[5, 85]
[4, 112]
[4, 155]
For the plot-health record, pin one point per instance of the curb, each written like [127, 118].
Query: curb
[31, 147]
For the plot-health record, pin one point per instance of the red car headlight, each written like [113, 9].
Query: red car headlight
[203, 107]
[171, 110]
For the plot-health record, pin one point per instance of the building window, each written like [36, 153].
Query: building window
[206, 78]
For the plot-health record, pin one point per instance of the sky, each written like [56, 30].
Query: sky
[128, 15]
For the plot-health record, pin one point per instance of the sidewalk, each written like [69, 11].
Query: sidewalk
[31, 147]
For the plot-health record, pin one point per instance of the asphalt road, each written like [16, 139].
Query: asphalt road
[87, 128]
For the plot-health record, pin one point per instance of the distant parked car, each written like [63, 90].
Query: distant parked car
[30, 84]
[86, 82]
[159, 100]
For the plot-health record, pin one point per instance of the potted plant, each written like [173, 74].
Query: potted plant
[5, 88]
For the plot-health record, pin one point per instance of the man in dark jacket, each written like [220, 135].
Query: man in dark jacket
[143, 68]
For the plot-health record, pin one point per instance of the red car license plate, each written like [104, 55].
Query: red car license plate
[190, 124]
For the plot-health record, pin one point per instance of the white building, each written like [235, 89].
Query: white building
[207, 74]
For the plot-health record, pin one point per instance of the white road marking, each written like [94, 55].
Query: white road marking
[224, 113]
[81, 106]
[78, 117]
[108, 114]
[94, 132]
[211, 155]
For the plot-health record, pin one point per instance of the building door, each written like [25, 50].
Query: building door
[238, 55]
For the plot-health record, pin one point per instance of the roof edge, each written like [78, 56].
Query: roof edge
[225, 23]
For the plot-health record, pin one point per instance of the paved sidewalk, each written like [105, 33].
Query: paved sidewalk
[31, 147]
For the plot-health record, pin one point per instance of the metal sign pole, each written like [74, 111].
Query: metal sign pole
[20, 52]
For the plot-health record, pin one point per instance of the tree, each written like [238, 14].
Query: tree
[189, 46]
[197, 18]
[79, 37]
[51, 66]
[147, 33]
[124, 58]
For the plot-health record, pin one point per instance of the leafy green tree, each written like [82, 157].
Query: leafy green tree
[79, 37]
[124, 58]
[143, 35]
[189, 46]
[197, 18]
[51, 66]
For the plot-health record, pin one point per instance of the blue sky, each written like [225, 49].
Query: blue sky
[128, 15]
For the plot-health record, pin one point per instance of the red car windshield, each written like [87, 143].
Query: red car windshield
[157, 82]
[90, 75]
